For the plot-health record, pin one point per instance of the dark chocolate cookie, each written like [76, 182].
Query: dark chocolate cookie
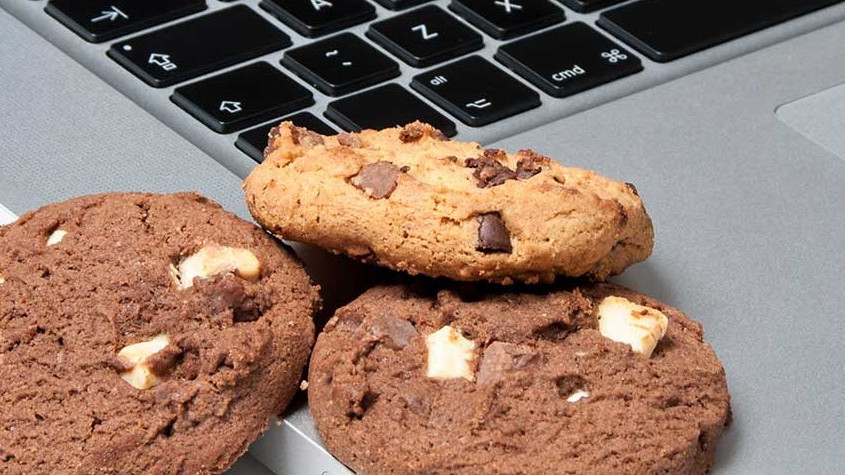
[596, 379]
[144, 333]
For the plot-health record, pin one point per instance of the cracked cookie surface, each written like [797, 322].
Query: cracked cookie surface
[424, 380]
[409, 199]
[144, 333]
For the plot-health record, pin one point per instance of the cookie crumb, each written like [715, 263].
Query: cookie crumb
[303, 385]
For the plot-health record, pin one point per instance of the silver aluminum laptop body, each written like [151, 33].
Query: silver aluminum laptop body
[741, 165]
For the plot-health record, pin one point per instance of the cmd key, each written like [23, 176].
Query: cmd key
[101, 20]
[568, 59]
[665, 30]
[198, 46]
[242, 97]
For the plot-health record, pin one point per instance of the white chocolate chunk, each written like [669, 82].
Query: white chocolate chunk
[2, 279]
[450, 355]
[577, 395]
[56, 237]
[624, 321]
[214, 260]
[140, 375]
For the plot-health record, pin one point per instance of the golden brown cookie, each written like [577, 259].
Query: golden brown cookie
[409, 199]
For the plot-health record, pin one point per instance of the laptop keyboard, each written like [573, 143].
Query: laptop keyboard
[539, 50]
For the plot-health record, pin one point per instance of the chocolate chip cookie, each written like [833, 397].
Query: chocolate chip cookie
[144, 334]
[409, 199]
[597, 379]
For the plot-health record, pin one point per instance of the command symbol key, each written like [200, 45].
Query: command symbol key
[568, 60]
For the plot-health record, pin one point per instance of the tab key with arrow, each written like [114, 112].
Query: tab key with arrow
[97, 20]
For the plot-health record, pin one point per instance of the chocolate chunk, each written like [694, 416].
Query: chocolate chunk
[395, 333]
[530, 164]
[411, 132]
[161, 362]
[271, 140]
[349, 140]
[303, 136]
[502, 358]
[632, 188]
[377, 179]
[493, 235]
[623, 215]
[489, 171]
[450, 158]
[496, 154]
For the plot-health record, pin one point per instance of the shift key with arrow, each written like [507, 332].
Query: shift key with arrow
[98, 20]
[242, 97]
[197, 46]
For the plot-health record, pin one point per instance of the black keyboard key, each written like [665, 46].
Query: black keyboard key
[400, 4]
[243, 97]
[585, 6]
[198, 46]
[320, 17]
[101, 20]
[425, 36]
[568, 59]
[665, 30]
[385, 106]
[254, 141]
[475, 91]
[340, 64]
[505, 19]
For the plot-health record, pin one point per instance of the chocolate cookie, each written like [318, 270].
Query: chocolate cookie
[596, 379]
[409, 199]
[144, 333]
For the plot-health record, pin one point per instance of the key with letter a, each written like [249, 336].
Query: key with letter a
[314, 18]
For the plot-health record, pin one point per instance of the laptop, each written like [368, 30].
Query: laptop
[728, 116]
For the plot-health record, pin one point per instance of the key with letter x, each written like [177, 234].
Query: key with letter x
[505, 19]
